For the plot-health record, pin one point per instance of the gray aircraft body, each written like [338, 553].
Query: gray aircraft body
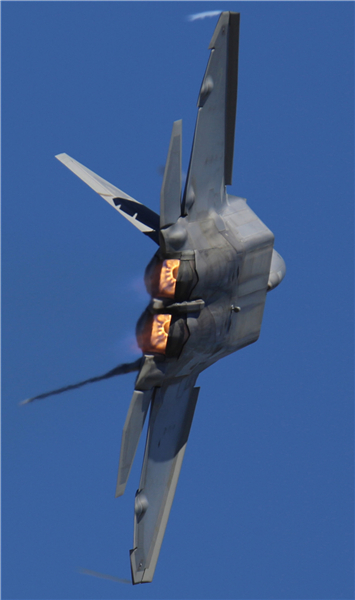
[208, 282]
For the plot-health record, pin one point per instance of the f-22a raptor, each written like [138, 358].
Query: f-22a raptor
[208, 282]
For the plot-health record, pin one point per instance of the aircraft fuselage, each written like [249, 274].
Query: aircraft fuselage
[220, 289]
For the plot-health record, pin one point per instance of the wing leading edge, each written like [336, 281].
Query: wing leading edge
[130, 437]
[211, 160]
[170, 420]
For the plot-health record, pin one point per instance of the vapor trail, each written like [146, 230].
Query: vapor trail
[203, 15]
[103, 576]
[120, 370]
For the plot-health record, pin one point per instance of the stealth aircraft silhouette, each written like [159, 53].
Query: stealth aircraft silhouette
[208, 282]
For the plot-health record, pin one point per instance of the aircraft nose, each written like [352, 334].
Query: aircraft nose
[277, 271]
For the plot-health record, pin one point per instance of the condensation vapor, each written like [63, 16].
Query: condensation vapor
[103, 576]
[203, 15]
[119, 370]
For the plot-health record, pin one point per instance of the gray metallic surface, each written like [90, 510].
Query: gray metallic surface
[106, 190]
[169, 426]
[170, 195]
[232, 85]
[206, 175]
[277, 271]
[205, 180]
[130, 436]
[222, 264]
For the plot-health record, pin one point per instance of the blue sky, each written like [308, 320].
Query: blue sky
[264, 505]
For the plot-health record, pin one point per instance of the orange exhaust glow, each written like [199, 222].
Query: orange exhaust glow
[168, 277]
[154, 335]
[160, 331]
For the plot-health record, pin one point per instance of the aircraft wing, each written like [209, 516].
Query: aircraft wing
[130, 437]
[171, 414]
[211, 159]
[143, 218]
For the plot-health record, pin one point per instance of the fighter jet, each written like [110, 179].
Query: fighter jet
[208, 282]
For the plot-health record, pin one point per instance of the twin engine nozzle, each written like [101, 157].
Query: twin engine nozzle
[162, 328]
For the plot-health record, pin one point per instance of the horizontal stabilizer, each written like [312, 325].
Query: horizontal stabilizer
[138, 212]
[130, 437]
[110, 193]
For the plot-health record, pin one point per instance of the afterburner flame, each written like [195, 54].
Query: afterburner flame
[168, 277]
[152, 333]
[160, 332]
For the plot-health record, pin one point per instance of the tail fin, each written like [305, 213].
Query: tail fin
[170, 195]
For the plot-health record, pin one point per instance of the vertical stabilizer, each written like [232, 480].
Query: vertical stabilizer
[170, 195]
